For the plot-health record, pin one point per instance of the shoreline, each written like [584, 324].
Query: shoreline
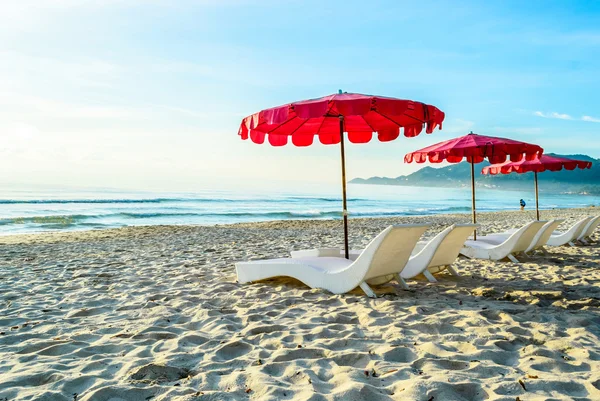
[459, 217]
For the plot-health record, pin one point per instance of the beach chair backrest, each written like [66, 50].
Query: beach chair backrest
[590, 227]
[449, 243]
[577, 228]
[390, 250]
[544, 234]
[527, 233]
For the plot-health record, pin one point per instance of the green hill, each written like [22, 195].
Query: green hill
[456, 175]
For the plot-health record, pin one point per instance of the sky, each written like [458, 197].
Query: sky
[149, 94]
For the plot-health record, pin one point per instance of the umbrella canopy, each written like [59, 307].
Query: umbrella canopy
[537, 165]
[475, 148]
[363, 116]
[328, 117]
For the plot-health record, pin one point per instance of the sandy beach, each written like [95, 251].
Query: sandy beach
[155, 313]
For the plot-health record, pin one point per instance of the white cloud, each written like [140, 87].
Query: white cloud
[553, 114]
[590, 119]
[561, 116]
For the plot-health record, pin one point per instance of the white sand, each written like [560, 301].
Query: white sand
[155, 313]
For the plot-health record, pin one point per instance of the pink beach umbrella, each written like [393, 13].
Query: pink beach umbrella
[361, 117]
[537, 165]
[475, 148]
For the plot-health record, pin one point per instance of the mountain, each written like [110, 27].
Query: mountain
[457, 175]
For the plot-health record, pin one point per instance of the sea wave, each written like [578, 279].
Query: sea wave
[171, 200]
[233, 216]
[71, 219]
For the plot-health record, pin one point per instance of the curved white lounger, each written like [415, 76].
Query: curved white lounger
[439, 253]
[538, 242]
[588, 231]
[386, 254]
[570, 236]
[433, 256]
[516, 243]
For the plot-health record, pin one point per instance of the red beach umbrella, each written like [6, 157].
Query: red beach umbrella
[329, 117]
[537, 165]
[475, 148]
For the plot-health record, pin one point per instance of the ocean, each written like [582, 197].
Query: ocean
[24, 212]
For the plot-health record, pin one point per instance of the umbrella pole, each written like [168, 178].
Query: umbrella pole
[473, 198]
[344, 206]
[537, 205]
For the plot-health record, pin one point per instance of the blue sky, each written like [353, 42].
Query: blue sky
[150, 93]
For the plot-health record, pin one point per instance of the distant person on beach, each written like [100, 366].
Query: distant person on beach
[522, 203]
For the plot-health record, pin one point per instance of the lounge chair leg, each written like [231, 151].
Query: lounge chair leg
[452, 271]
[543, 250]
[365, 287]
[512, 258]
[401, 281]
[429, 276]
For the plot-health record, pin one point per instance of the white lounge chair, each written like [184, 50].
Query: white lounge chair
[385, 255]
[538, 242]
[516, 243]
[433, 256]
[559, 238]
[588, 231]
[439, 253]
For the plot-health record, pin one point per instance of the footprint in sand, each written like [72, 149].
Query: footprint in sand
[233, 350]
[108, 349]
[88, 312]
[504, 358]
[568, 388]
[514, 345]
[191, 340]
[399, 354]
[512, 388]
[519, 331]
[115, 393]
[486, 372]
[491, 315]
[360, 392]
[458, 392]
[160, 373]
[254, 318]
[427, 364]
[302, 353]
[561, 367]
[266, 329]
[78, 385]
[356, 360]
[155, 335]
[34, 380]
